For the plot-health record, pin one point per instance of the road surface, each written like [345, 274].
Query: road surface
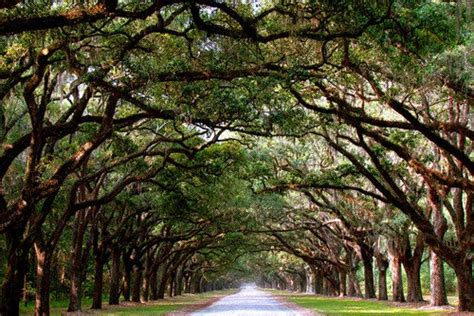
[249, 301]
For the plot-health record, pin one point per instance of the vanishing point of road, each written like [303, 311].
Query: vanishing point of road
[249, 301]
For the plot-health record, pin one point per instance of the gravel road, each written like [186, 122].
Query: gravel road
[249, 301]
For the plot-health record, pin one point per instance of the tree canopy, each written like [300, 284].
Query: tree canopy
[160, 146]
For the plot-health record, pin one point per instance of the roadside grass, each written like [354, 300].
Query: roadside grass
[160, 307]
[335, 306]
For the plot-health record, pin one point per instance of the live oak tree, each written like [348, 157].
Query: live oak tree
[385, 86]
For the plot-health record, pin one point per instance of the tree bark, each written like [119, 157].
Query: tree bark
[465, 285]
[397, 281]
[202, 285]
[179, 281]
[172, 284]
[154, 284]
[137, 283]
[145, 290]
[75, 289]
[412, 264]
[437, 281]
[114, 294]
[302, 283]
[413, 282]
[146, 280]
[367, 260]
[127, 276]
[318, 282]
[10, 293]
[196, 283]
[342, 283]
[187, 282]
[326, 290]
[98, 284]
[162, 287]
[353, 288]
[382, 264]
[43, 279]
[309, 280]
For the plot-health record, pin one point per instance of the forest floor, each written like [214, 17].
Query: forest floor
[179, 305]
[335, 306]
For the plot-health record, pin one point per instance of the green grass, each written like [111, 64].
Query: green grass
[56, 306]
[334, 306]
[160, 307]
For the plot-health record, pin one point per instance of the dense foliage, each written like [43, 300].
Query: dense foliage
[160, 146]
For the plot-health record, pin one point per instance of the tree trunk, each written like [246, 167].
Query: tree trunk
[342, 283]
[187, 283]
[43, 279]
[162, 286]
[397, 281]
[414, 284]
[154, 284]
[195, 283]
[114, 294]
[318, 282]
[350, 286]
[367, 260]
[75, 289]
[437, 282]
[309, 280]
[179, 282]
[382, 264]
[146, 280]
[326, 290]
[10, 293]
[353, 288]
[465, 285]
[412, 263]
[127, 276]
[145, 290]
[137, 283]
[302, 283]
[202, 284]
[98, 284]
[172, 284]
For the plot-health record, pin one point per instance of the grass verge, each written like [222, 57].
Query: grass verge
[160, 307]
[335, 306]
